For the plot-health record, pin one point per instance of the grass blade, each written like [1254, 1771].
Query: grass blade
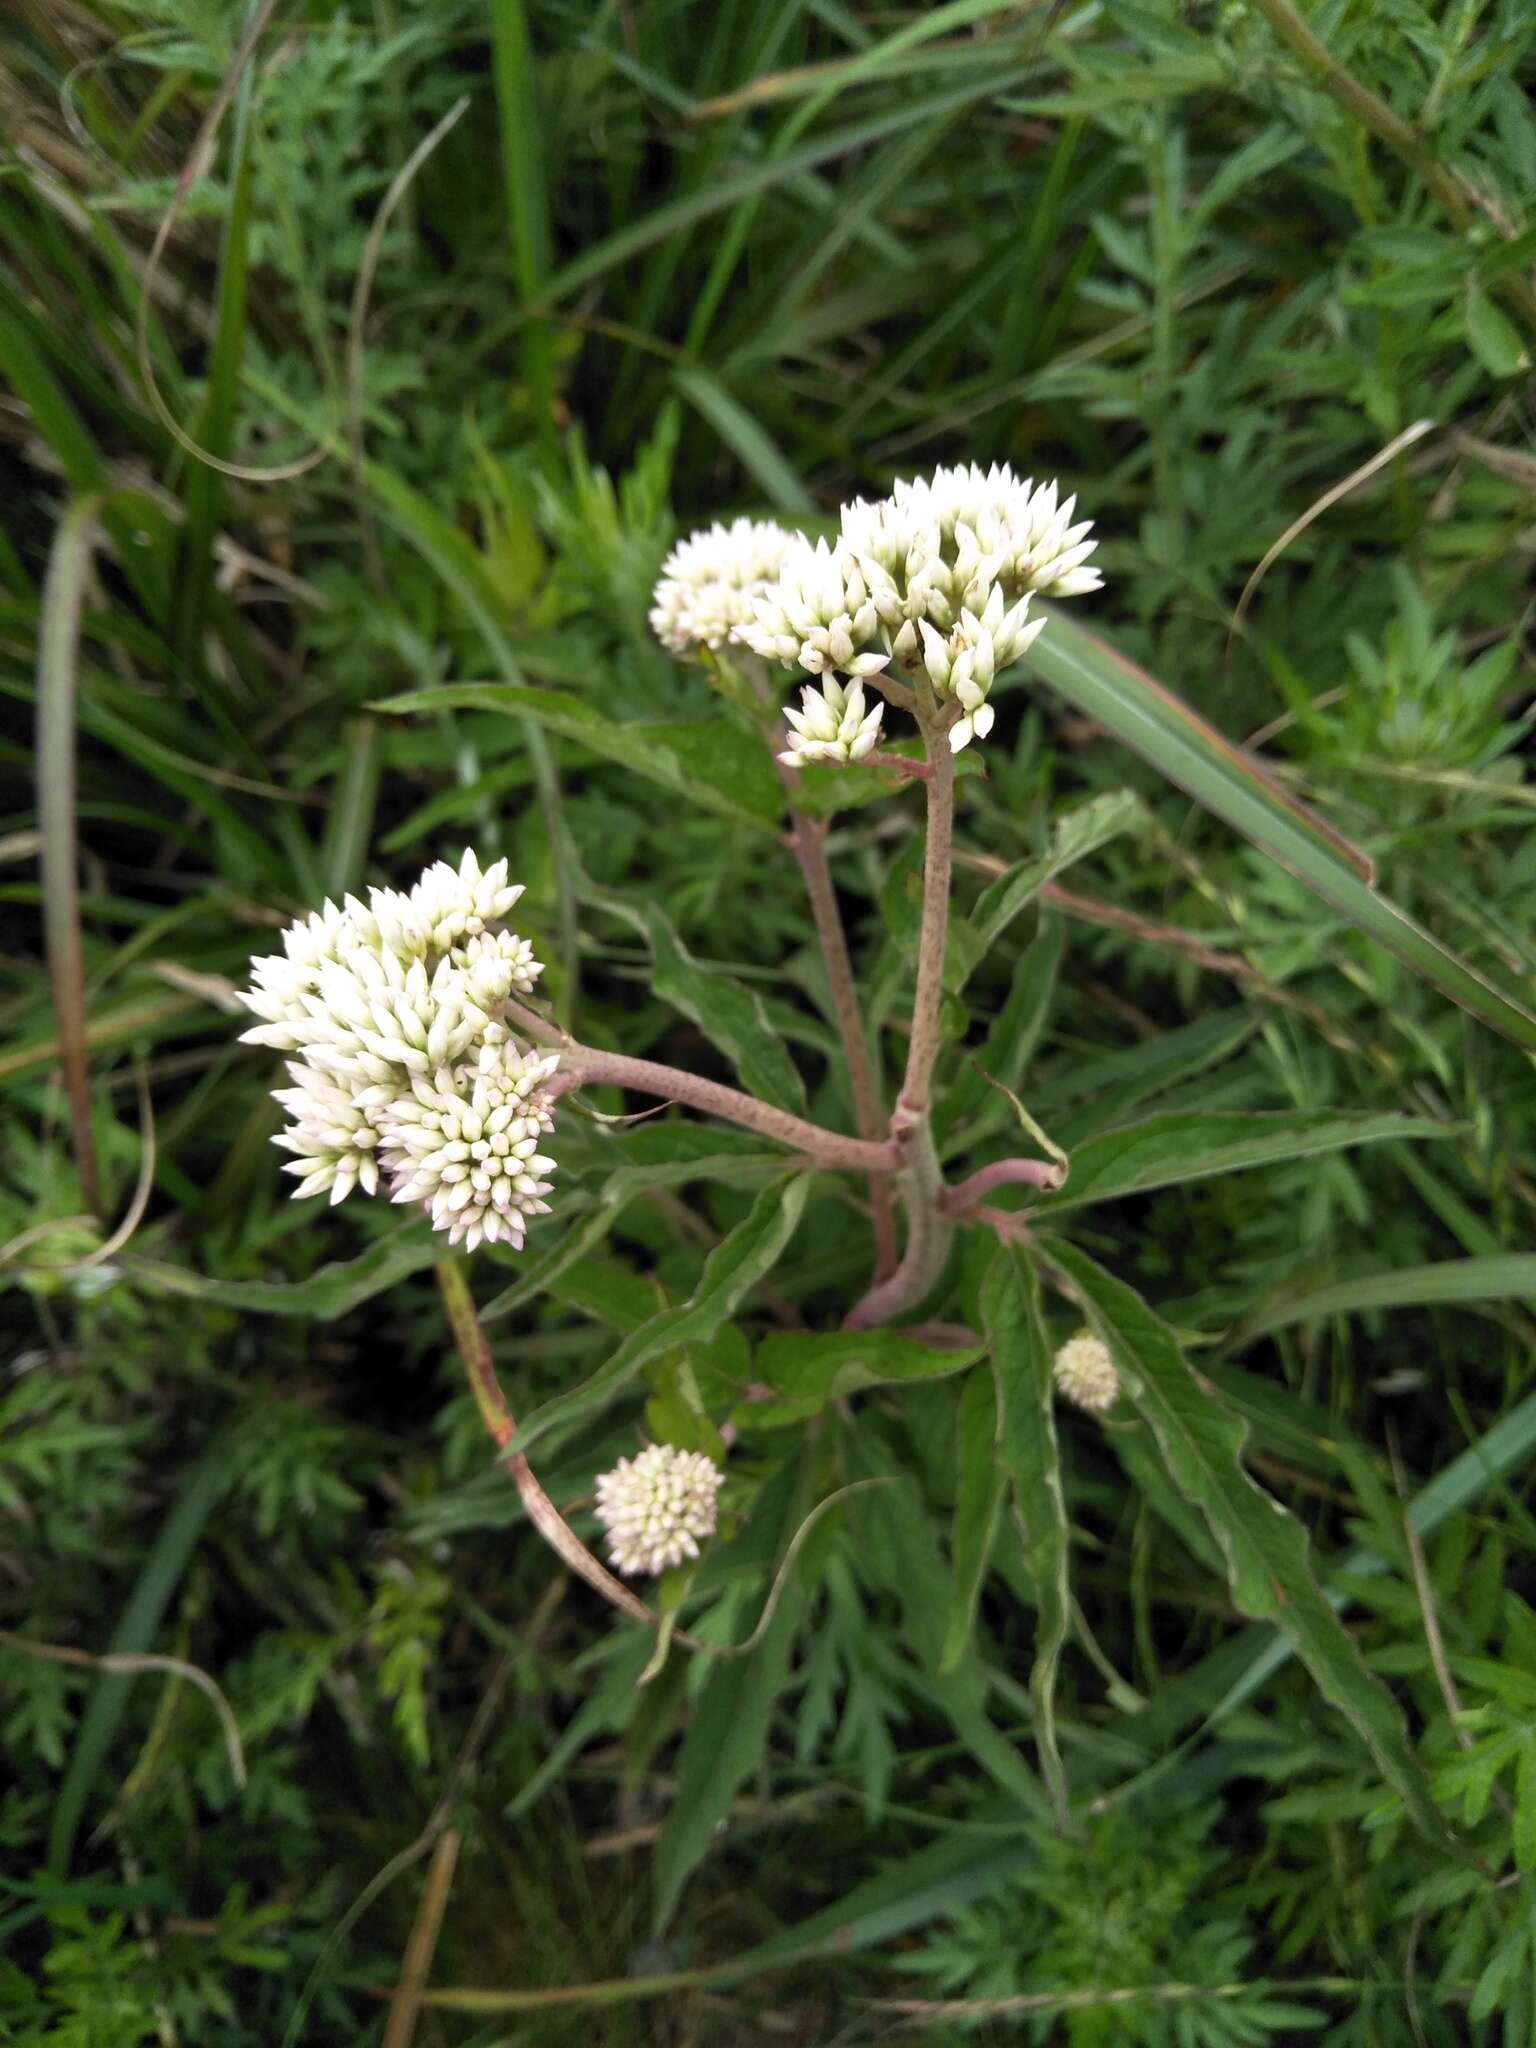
[348, 829]
[747, 440]
[915, 1891]
[215, 426]
[1137, 709]
[134, 1634]
[69, 564]
[693, 207]
[522, 157]
[1508, 1277]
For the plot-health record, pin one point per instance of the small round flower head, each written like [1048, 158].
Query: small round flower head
[832, 724]
[402, 1071]
[465, 1144]
[710, 582]
[951, 561]
[657, 1508]
[942, 572]
[820, 614]
[1085, 1373]
[946, 540]
[962, 663]
[333, 1135]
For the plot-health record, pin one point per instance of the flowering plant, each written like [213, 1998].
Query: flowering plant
[425, 1063]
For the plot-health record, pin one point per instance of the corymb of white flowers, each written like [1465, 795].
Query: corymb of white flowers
[711, 581]
[832, 724]
[936, 578]
[657, 1508]
[404, 1075]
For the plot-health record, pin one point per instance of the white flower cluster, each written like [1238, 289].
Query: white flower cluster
[832, 724]
[942, 570]
[1084, 1371]
[404, 1075]
[710, 583]
[658, 1507]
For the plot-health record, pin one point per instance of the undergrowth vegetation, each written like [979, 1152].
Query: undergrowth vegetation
[360, 366]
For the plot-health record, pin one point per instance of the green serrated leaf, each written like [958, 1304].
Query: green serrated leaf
[978, 1502]
[1074, 836]
[713, 764]
[732, 1269]
[729, 1013]
[1264, 1546]
[1027, 1451]
[807, 1371]
[333, 1291]
[1181, 1146]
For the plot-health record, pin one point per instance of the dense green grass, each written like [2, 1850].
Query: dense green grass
[348, 356]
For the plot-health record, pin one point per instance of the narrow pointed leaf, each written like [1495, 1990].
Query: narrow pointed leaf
[723, 1746]
[971, 1110]
[1509, 1277]
[978, 1500]
[1181, 1146]
[715, 766]
[334, 1290]
[807, 1371]
[1074, 836]
[1265, 1548]
[731, 1271]
[763, 461]
[730, 1014]
[630, 1183]
[1028, 1453]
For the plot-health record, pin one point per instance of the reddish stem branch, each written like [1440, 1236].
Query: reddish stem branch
[475, 1351]
[914, 771]
[1033, 1173]
[672, 1084]
[929, 1230]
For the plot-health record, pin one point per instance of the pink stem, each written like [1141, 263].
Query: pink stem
[672, 1084]
[1032, 1173]
[915, 771]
